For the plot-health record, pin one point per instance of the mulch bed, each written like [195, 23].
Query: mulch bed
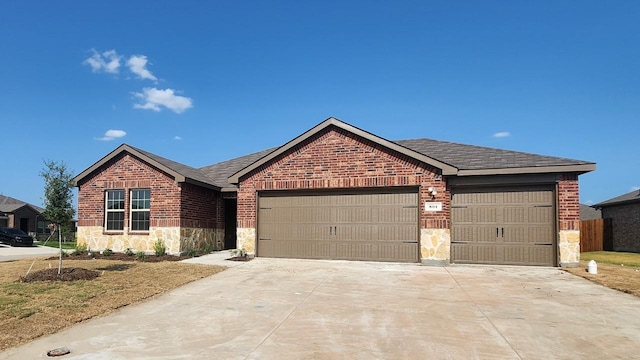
[73, 274]
[123, 257]
[66, 274]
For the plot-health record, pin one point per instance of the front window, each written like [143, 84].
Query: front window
[140, 208]
[114, 210]
[43, 227]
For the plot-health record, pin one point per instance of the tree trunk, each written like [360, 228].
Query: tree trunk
[60, 245]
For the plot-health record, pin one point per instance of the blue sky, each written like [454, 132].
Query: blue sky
[204, 81]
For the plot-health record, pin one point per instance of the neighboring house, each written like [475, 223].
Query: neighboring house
[624, 212]
[589, 213]
[340, 192]
[22, 215]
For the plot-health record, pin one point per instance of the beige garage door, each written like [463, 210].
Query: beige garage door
[351, 226]
[503, 226]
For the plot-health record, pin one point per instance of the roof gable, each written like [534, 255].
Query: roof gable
[180, 172]
[446, 168]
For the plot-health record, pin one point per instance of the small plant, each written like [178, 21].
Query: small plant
[80, 249]
[207, 248]
[129, 252]
[107, 252]
[238, 253]
[192, 253]
[91, 254]
[140, 255]
[159, 248]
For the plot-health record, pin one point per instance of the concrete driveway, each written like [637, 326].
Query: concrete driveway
[297, 309]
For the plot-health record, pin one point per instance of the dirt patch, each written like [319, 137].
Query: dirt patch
[66, 274]
[623, 278]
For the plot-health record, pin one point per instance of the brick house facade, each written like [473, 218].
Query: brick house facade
[624, 214]
[188, 205]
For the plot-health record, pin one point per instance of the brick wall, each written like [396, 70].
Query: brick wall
[335, 158]
[625, 226]
[127, 172]
[568, 202]
[201, 207]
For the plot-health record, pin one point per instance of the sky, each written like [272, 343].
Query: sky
[200, 82]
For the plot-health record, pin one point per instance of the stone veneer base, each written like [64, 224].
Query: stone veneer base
[435, 245]
[569, 247]
[175, 239]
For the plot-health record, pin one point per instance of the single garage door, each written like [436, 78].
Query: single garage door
[503, 226]
[374, 226]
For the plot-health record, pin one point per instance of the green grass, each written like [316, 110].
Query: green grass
[611, 257]
[68, 245]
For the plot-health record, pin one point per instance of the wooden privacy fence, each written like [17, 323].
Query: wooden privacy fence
[595, 235]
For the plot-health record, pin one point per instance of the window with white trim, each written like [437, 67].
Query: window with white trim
[114, 210]
[140, 209]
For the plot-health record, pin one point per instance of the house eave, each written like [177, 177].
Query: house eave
[579, 168]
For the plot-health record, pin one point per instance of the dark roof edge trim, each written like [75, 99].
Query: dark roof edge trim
[126, 148]
[614, 203]
[446, 168]
[582, 168]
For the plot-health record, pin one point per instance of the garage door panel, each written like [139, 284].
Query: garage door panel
[504, 225]
[361, 226]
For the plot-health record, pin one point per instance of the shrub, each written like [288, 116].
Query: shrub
[192, 252]
[80, 249]
[207, 248]
[107, 252]
[129, 252]
[159, 248]
[141, 255]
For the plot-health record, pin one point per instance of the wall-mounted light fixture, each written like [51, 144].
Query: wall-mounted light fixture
[432, 191]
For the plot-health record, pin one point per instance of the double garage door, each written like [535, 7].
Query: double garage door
[374, 226]
[504, 226]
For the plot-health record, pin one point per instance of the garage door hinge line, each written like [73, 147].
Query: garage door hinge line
[482, 312]
[286, 317]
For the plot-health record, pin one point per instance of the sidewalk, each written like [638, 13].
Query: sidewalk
[8, 253]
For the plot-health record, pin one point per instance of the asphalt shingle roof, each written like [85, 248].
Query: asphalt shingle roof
[220, 172]
[471, 157]
[9, 204]
[186, 171]
[453, 156]
[626, 198]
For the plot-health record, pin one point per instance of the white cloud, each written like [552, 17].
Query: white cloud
[138, 65]
[177, 137]
[112, 134]
[501, 134]
[154, 99]
[108, 61]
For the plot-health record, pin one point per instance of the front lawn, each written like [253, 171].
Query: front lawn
[616, 270]
[29, 310]
[66, 245]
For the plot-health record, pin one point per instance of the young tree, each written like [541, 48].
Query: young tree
[57, 197]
